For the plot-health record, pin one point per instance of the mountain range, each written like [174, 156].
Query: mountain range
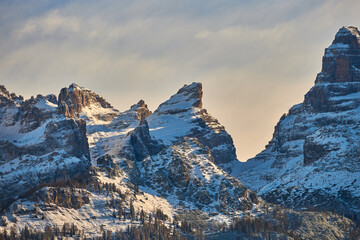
[75, 162]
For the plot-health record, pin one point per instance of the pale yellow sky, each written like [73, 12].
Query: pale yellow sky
[255, 58]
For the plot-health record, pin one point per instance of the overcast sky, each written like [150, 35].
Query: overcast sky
[255, 58]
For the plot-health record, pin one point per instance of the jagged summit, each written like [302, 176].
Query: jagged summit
[73, 99]
[193, 91]
[141, 110]
[141, 103]
[4, 92]
[183, 115]
[188, 97]
[75, 86]
[349, 36]
[341, 61]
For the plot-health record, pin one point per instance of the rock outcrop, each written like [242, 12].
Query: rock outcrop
[341, 62]
[72, 100]
[313, 158]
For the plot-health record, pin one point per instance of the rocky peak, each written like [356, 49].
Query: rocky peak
[141, 109]
[347, 36]
[183, 115]
[188, 97]
[52, 98]
[75, 86]
[4, 92]
[73, 99]
[193, 92]
[341, 62]
[131, 117]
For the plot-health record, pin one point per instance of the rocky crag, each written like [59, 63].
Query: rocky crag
[313, 158]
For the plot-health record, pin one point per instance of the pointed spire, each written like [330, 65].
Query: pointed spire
[341, 62]
[348, 36]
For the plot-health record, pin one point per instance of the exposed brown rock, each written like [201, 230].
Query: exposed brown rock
[341, 62]
[73, 99]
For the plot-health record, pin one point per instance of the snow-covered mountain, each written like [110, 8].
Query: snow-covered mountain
[169, 157]
[75, 162]
[173, 152]
[313, 159]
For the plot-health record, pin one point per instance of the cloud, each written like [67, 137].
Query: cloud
[52, 23]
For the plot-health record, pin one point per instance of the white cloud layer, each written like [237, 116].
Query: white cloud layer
[255, 58]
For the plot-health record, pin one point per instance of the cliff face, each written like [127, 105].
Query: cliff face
[74, 99]
[341, 62]
[37, 145]
[313, 158]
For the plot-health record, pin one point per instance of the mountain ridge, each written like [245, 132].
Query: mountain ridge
[75, 158]
[135, 152]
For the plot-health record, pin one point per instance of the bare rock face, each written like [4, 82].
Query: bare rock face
[313, 157]
[139, 144]
[341, 62]
[73, 99]
[340, 74]
[132, 117]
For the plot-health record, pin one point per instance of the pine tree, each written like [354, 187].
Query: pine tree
[132, 211]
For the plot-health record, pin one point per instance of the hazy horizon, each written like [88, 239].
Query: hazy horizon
[255, 59]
